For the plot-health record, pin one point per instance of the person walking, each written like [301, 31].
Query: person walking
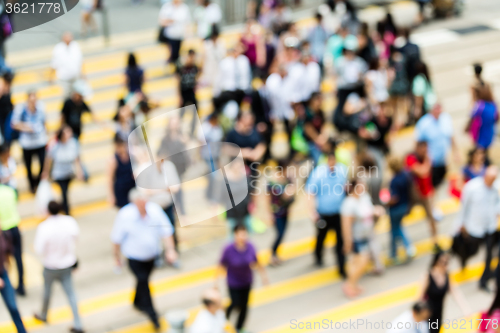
[483, 118]
[9, 222]
[63, 163]
[211, 318]
[139, 229]
[29, 120]
[188, 74]
[436, 286]
[74, 107]
[55, 243]
[238, 259]
[207, 15]
[6, 289]
[134, 75]
[120, 174]
[477, 218]
[412, 321]
[67, 63]
[325, 188]
[399, 206]
[174, 17]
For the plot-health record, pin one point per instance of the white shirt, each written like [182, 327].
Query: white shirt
[206, 322]
[181, 18]
[479, 209]
[9, 170]
[37, 138]
[234, 73]
[278, 98]
[405, 323]
[293, 84]
[67, 61]
[378, 79]
[313, 78]
[55, 241]
[205, 17]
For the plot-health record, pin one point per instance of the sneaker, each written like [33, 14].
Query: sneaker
[411, 252]
[21, 291]
[76, 330]
[39, 318]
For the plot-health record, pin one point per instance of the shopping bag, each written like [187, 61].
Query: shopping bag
[43, 196]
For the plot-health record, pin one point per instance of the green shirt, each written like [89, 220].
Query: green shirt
[9, 215]
[422, 88]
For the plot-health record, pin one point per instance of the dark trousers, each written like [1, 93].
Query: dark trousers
[9, 299]
[280, 225]
[175, 46]
[28, 158]
[64, 185]
[15, 236]
[326, 223]
[171, 216]
[226, 96]
[487, 273]
[239, 300]
[438, 174]
[142, 300]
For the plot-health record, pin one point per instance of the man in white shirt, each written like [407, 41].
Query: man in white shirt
[55, 243]
[207, 14]
[174, 17]
[67, 62]
[279, 103]
[211, 318]
[478, 216]
[138, 233]
[313, 75]
[415, 320]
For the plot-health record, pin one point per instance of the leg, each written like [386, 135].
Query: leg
[394, 232]
[320, 239]
[280, 225]
[67, 285]
[48, 277]
[64, 185]
[426, 203]
[171, 216]
[15, 236]
[243, 305]
[40, 152]
[28, 158]
[357, 269]
[339, 247]
[175, 46]
[487, 262]
[142, 271]
[9, 299]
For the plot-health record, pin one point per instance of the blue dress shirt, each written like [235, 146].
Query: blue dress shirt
[328, 186]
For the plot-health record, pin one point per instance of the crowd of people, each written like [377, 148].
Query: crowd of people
[269, 81]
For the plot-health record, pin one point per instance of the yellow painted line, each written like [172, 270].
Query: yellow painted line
[379, 302]
[32, 271]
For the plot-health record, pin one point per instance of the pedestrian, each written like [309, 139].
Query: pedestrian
[6, 289]
[63, 163]
[187, 74]
[479, 81]
[377, 83]
[419, 165]
[424, 96]
[174, 17]
[214, 51]
[9, 222]
[208, 16]
[491, 318]
[318, 38]
[281, 190]
[134, 75]
[55, 242]
[366, 49]
[239, 259]
[6, 106]
[476, 164]
[325, 189]
[278, 99]
[399, 88]
[88, 21]
[120, 174]
[436, 286]
[477, 219]
[315, 127]
[483, 118]
[211, 318]
[67, 63]
[412, 321]
[29, 120]
[139, 229]
[399, 207]
[74, 107]
[8, 167]
[358, 220]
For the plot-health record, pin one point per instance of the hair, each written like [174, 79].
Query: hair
[421, 143]
[351, 185]
[389, 23]
[318, 16]
[478, 69]
[395, 164]
[243, 113]
[436, 257]
[421, 68]
[405, 32]
[31, 92]
[420, 306]
[333, 147]
[215, 31]
[4, 148]
[470, 155]
[191, 52]
[314, 95]
[136, 194]
[364, 30]
[374, 64]
[207, 302]
[239, 227]
[132, 61]
[8, 77]
[54, 207]
[118, 140]
[60, 132]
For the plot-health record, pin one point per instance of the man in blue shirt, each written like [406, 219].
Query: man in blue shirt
[326, 188]
[140, 228]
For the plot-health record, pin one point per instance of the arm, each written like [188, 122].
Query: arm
[47, 166]
[424, 285]
[219, 273]
[346, 222]
[170, 252]
[117, 255]
[423, 169]
[255, 154]
[262, 271]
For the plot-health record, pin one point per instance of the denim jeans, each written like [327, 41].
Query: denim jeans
[280, 225]
[15, 236]
[314, 152]
[9, 299]
[396, 214]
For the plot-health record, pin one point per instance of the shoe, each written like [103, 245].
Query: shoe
[396, 262]
[138, 308]
[176, 264]
[21, 292]
[411, 253]
[76, 330]
[156, 325]
[436, 248]
[39, 318]
[319, 264]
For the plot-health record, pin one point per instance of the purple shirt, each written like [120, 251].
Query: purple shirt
[237, 263]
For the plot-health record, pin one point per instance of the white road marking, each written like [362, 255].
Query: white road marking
[434, 37]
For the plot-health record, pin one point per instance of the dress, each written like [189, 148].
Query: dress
[124, 181]
[435, 297]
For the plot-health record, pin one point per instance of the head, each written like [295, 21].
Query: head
[54, 208]
[436, 110]
[32, 100]
[240, 234]
[77, 97]
[176, 2]
[355, 188]
[318, 17]
[331, 148]
[421, 149]
[132, 61]
[191, 57]
[7, 79]
[490, 175]
[478, 69]
[4, 152]
[441, 260]
[421, 68]
[315, 102]
[139, 199]
[282, 71]
[120, 145]
[476, 156]
[421, 311]
[395, 164]
[212, 300]
[245, 121]
[67, 37]
[64, 134]
[374, 64]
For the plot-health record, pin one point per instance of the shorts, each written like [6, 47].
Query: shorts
[438, 174]
[361, 246]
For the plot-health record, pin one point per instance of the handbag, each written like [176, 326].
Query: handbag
[161, 36]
